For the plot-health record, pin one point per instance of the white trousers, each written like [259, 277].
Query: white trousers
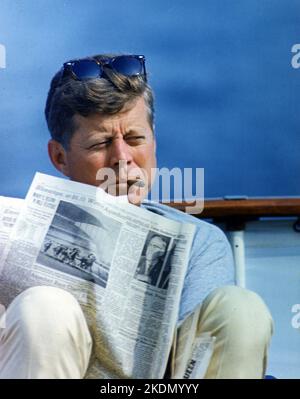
[46, 335]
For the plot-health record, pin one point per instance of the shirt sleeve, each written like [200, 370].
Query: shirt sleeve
[210, 266]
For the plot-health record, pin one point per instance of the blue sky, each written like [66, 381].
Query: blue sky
[226, 94]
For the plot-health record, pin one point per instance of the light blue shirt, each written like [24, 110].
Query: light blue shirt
[210, 264]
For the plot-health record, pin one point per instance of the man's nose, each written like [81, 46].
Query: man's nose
[120, 151]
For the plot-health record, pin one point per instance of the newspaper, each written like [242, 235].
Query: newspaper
[124, 264]
[9, 211]
[192, 351]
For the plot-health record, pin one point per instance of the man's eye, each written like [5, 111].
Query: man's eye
[102, 144]
[136, 139]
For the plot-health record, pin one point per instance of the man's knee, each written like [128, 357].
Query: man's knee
[242, 311]
[41, 311]
[46, 336]
[242, 325]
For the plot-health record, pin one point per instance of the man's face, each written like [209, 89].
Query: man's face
[155, 249]
[123, 142]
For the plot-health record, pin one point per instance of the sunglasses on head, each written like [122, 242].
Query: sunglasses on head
[91, 68]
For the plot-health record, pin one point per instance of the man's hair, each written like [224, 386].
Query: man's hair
[162, 239]
[106, 96]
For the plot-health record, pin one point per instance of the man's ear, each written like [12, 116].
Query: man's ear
[58, 156]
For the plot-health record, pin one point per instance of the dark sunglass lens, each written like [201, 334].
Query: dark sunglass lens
[86, 69]
[128, 66]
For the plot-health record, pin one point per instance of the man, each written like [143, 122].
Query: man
[100, 114]
[150, 264]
